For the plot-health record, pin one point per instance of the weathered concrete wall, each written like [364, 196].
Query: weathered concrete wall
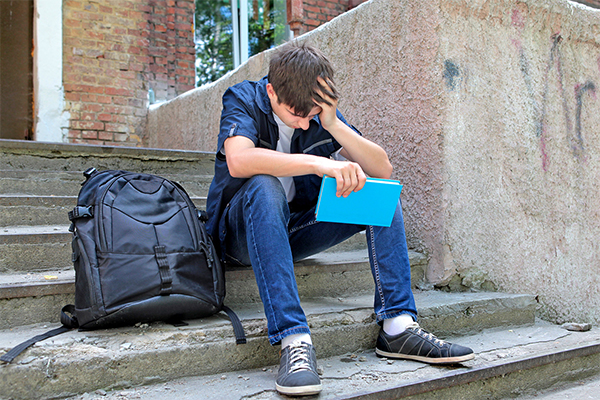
[521, 149]
[489, 113]
[191, 121]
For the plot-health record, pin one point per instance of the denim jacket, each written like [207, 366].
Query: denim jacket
[247, 112]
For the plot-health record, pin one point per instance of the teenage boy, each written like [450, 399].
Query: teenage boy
[277, 139]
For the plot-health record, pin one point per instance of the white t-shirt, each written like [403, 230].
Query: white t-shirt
[283, 145]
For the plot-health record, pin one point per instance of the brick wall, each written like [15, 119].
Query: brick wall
[305, 15]
[171, 47]
[114, 52]
[318, 12]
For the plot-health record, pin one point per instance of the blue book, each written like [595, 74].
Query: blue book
[375, 204]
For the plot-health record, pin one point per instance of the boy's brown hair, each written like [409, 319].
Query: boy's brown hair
[293, 72]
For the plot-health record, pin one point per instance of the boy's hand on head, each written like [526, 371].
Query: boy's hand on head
[328, 114]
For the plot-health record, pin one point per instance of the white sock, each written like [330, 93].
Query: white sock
[303, 337]
[397, 325]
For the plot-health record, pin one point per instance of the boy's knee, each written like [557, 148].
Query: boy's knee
[266, 187]
[266, 183]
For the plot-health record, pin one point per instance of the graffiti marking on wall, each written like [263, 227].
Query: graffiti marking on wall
[554, 64]
[451, 73]
[577, 144]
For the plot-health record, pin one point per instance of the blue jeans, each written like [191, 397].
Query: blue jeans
[260, 231]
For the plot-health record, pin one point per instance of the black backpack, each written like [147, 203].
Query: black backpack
[141, 254]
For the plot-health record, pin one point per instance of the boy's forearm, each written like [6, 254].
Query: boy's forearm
[257, 161]
[371, 157]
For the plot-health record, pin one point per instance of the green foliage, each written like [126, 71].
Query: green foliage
[214, 40]
[214, 35]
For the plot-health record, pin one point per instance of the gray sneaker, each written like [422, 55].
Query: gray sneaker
[419, 345]
[298, 370]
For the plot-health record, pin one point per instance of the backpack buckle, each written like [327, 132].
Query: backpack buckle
[81, 212]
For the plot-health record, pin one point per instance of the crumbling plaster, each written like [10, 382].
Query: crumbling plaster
[489, 112]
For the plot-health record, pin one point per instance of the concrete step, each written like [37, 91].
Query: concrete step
[78, 362]
[43, 169]
[26, 249]
[18, 155]
[510, 363]
[56, 183]
[582, 388]
[31, 210]
[28, 210]
[29, 249]
[40, 183]
[33, 297]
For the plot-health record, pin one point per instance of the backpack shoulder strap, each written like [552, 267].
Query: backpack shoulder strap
[238, 329]
[69, 323]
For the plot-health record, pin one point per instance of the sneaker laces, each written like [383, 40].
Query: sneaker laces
[299, 356]
[423, 333]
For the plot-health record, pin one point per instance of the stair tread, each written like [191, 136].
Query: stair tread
[38, 197]
[61, 149]
[32, 295]
[34, 200]
[363, 375]
[34, 197]
[207, 346]
[34, 230]
[77, 176]
[32, 210]
[66, 275]
[15, 285]
[343, 260]
[427, 302]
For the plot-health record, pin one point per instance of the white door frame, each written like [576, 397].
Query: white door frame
[50, 119]
[240, 31]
